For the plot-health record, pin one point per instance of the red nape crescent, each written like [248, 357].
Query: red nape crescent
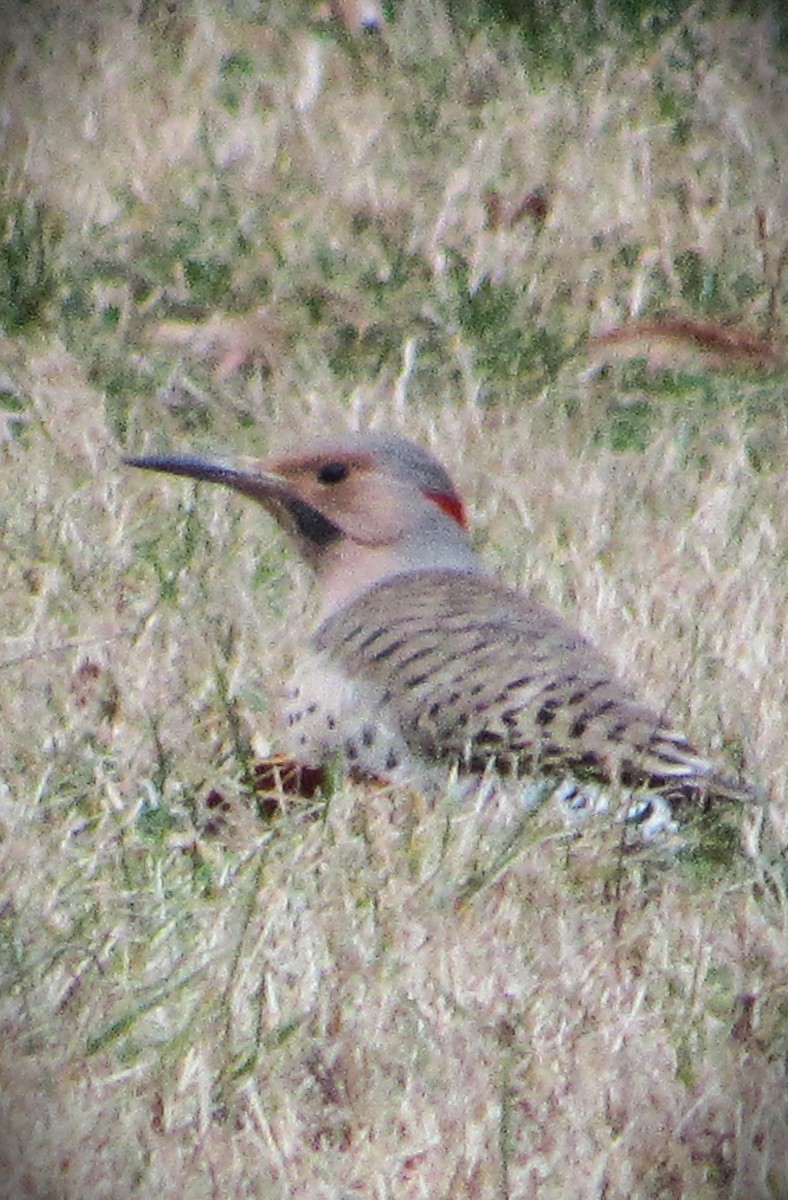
[451, 505]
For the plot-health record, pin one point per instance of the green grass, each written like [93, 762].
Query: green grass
[226, 233]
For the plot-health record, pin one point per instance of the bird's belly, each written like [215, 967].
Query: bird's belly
[326, 715]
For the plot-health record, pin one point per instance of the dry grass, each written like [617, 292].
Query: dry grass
[361, 996]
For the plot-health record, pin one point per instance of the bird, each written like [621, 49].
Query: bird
[423, 659]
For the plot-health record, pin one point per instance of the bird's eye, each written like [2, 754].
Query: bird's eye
[332, 472]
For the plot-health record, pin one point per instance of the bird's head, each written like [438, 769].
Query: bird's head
[366, 506]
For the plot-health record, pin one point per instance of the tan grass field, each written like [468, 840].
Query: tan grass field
[222, 233]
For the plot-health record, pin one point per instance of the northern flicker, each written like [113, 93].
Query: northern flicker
[422, 657]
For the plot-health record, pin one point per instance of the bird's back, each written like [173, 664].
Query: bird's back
[475, 672]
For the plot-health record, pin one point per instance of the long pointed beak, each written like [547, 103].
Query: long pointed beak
[250, 477]
[245, 476]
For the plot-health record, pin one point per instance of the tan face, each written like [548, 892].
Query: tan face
[369, 505]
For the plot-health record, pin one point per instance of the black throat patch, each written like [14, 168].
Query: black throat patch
[312, 526]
